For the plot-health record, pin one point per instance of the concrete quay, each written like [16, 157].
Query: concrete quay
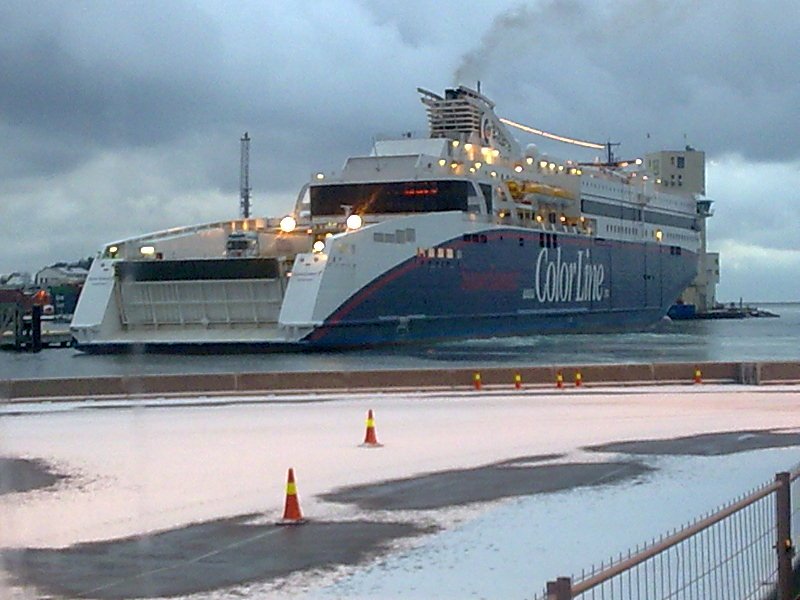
[54, 389]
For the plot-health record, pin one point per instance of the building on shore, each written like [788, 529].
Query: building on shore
[684, 172]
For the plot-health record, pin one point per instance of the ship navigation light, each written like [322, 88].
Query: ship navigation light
[354, 221]
[288, 224]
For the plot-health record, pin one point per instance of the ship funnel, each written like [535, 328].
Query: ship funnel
[466, 114]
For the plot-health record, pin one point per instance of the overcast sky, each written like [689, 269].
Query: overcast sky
[118, 118]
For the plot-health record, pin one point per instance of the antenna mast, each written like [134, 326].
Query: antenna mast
[244, 178]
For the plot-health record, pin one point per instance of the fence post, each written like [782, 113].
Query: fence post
[783, 543]
[560, 589]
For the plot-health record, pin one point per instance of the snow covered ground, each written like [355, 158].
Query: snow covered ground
[139, 467]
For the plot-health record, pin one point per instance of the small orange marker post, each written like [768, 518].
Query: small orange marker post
[698, 375]
[518, 381]
[291, 509]
[476, 380]
[559, 379]
[370, 439]
[578, 379]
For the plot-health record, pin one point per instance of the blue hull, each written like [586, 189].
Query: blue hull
[509, 282]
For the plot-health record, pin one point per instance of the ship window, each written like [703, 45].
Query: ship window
[431, 252]
[449, 253]
[459, 254]
[487, 197]
[541, 240]
[680, 162]
[440, 253]
[521, 241]
[483, 239]
[394, 197]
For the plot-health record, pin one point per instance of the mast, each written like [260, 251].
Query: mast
[244, 178]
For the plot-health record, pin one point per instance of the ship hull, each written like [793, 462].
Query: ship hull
[491, 283]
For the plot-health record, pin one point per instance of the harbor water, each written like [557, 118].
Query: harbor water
[751, 339]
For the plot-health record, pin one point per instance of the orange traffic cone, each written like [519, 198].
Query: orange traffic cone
[518, 381]
[476, 379]
[559, 379]
[370, 439]
[578, 379]
[698, 376]
[291, 510]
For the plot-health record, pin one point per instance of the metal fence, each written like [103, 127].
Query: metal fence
[742, 551]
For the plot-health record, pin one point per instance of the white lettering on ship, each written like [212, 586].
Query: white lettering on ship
[563, 281]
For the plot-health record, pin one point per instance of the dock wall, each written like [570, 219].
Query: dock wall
[395, 379]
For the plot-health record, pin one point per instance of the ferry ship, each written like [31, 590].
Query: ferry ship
[460, 234]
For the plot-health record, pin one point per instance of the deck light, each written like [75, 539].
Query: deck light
[320, 175]
[542, 164]
[467, 147]
[659, 235]
[478, 165]
[288, 224]
[147, 250]
[318, 246]
[442, 162]
[354, 221]
[455, 143]
[518, 168]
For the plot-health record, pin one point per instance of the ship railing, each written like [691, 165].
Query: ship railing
[741, 551]
[259, 224]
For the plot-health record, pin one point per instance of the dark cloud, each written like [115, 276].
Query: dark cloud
[722, 72]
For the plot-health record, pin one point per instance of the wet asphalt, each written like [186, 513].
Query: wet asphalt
[217, 554]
